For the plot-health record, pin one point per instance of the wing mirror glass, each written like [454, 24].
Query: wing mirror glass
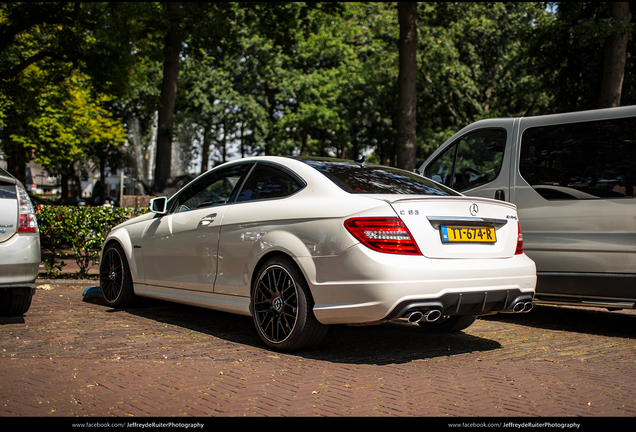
[158, 205]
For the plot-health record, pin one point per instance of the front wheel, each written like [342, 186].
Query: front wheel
[450, 324]
[115, 279]
[282, 307]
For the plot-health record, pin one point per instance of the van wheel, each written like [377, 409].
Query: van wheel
[14, 302]
[115, 279]
[282, 307]
[451, 324]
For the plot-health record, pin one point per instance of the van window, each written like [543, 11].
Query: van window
[590, 160]
[473, 160]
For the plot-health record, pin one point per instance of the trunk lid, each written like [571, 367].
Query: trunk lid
[460, 227]
[8, 210]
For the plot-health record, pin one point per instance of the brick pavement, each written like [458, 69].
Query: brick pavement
[70, 358]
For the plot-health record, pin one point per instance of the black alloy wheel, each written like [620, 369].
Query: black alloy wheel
[114, 276]
[282, 307]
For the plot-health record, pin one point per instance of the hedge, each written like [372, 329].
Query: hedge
[81, 230]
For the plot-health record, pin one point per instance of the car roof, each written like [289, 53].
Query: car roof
[5, 176]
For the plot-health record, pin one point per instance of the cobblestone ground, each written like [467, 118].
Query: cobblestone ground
[70, 357]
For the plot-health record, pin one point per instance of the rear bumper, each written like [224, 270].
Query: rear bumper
[468, 303]
[19, 261]
[361, 286]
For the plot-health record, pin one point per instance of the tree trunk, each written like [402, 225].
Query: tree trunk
[271, 110]
[64, 189]
[407, 96]
[615, 51]
[172, 49]
[205, 149]
[102, 178]
[135, 140]
[16, 160]
[224, 142]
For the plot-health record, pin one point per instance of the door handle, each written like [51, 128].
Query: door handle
[207, 220]
[500, 195]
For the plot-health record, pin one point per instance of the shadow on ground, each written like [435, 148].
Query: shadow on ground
[390, 343]
[594, 321]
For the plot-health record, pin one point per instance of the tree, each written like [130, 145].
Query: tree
[615, 54]
[70, 128]
[172, 49]
[207, 29]
[41, 46]
[581, 52]
[92, 37]
[477, 60]
[407, 93]
[225, 79]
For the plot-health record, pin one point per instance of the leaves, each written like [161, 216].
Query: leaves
[69, 125]
[81, 229]
[286, 78]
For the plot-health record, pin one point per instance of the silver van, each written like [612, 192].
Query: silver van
[573, 179]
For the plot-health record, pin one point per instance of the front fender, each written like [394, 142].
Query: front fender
[122, 237]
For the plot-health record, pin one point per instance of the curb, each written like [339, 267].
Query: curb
[78, 282]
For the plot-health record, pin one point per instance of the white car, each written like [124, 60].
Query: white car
[303, 243]
[19, 247]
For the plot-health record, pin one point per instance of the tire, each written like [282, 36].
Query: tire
[14, 302]
[283, 307]
[451, 324]
[114, 278]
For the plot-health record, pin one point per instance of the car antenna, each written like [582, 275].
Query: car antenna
[362, 160]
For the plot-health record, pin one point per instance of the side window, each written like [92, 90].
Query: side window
[589, 160]
[473, 160]
[267, 182]
[212, 189]
[441, 170]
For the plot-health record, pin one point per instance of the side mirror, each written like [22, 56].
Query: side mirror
[158, 205]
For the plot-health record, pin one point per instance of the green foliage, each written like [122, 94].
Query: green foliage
[81, 230]
[475, 63]
[286, 78]
[331, 88]
[323, 89]
[66, 126]
[570, 47]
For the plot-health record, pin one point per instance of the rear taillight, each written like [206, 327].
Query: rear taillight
[519, 250]
[27, 219]
[388, 235]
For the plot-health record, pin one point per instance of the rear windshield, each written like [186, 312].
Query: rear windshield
[361, 178]
[7, 190]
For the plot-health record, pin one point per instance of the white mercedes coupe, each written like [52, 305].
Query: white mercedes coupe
[303, 243]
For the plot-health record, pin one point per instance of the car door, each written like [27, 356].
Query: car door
[261, 206]
[575, 192]
[476, 161]
[180, 248]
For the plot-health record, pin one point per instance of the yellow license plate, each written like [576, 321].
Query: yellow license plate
[471, 234]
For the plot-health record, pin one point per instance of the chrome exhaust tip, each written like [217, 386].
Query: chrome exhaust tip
[415, 317]
[428, 316]
[432, 315]
[521, 307]
[518, 307]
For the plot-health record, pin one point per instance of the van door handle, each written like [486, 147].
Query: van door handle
[500, 195]
[207, 220]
